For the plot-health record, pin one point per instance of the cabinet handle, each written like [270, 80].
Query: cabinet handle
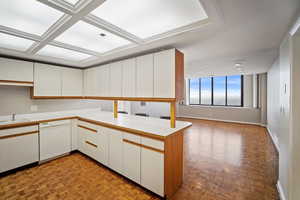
[96, 146]
[18, 134]
[143, 146]
[90, 129]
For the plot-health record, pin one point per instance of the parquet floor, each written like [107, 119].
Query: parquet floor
[222, 161]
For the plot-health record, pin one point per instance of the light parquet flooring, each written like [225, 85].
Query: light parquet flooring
[222, 161]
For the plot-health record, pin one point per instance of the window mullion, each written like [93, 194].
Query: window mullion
[212, 91]
[226, 104]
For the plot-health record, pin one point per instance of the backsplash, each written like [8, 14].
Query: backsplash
[15, 99]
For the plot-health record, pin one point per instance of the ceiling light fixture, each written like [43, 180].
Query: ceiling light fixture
[102, 34]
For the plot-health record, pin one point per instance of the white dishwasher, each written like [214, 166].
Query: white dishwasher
[55, 139]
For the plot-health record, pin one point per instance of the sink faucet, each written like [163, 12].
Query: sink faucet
[13, 117]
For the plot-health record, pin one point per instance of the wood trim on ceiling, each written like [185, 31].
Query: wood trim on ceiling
[87, 128]
[144, 146]
[18, 135]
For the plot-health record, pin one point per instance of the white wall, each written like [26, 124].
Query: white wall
[263, 98]
[233, 114]
[14, 99]
[273, 101]
[154, 109]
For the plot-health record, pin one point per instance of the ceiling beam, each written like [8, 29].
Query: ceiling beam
[21, 34]
[60, 5]
[74, 48]
[63, 24]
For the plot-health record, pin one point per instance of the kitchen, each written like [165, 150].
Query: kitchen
[156, 101]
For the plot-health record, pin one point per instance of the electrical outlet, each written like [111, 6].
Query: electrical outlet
[33, 108]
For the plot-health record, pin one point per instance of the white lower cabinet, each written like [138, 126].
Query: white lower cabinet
[152, 166]
[104, 145]
[55, 139]
[115, 150]
[88, 140]
[18, 147]
[138, 158]
[132, 157]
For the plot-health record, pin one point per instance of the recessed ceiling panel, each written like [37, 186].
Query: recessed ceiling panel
[57, 52]
[146, 18]
[14, 43]
[90, 37]
[72, 1]
[29, 16]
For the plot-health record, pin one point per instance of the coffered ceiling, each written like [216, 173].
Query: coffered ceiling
[82, 33]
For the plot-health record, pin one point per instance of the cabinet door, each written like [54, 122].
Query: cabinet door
[144, 70]
[47, 80]
[164, 74]
[115, 150]
[116, 79]
[129, 78]
[72, 82]
[16, 70]
[132, 157]
[103, 142]
[103, 81]
[74, 135]
[90, 82]
[152, 166]
[18, 151]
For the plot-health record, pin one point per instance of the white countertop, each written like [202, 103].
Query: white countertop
[151, 125]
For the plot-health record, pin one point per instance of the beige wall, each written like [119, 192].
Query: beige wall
[14, 99]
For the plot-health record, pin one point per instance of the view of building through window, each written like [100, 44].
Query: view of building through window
[218, 91]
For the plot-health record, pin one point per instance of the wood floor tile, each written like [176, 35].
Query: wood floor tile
[222, 161]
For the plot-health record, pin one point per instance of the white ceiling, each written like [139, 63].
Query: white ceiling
[246, 31]
[91, 29]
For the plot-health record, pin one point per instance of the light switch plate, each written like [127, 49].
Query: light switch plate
[33, 108]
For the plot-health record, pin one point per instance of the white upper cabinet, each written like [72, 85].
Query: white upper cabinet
[116, 79]
[47, 80]
[144, 73]
[103, 81]
[90, 82]
[129, 78]
[72, 82]
[164, 74]
[15, 70]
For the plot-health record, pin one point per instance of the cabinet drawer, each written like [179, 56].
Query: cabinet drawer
[17, 131]
[132, 137]
[156, 144]
[88, 126]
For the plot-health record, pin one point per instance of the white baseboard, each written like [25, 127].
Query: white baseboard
[275, 142]
[280, 191]
[221, 120]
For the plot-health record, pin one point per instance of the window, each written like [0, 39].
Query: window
[234, 88]
[194, 91]
[217, 91]
[206, 87]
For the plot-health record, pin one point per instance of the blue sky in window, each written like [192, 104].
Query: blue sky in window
[233, 90]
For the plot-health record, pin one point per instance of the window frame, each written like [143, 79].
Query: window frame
[212, 93]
